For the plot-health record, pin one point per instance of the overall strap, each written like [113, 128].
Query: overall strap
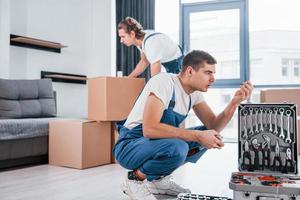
[172, 101]
[190, 105]
[150, 35]
[181, 49]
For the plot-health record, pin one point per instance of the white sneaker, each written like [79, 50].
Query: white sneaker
[137, 190]
[167, 186]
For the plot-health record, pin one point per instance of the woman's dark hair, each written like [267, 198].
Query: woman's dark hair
[196, 59]
[130, 24]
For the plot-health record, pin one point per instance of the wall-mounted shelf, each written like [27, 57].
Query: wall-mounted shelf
[27, 42]
[63, 77]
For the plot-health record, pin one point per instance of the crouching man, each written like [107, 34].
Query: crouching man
[151, 143]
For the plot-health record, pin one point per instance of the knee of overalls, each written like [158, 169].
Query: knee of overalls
[176, 148]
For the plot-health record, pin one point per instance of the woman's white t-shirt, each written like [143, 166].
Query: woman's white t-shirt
[162, 85]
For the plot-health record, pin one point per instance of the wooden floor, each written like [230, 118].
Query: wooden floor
[209, 176]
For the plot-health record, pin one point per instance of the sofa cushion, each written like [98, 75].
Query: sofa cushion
[26, 98]
[13, 129]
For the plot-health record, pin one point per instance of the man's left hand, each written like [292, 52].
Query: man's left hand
[243, 93]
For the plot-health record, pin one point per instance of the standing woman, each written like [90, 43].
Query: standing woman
[157, 49]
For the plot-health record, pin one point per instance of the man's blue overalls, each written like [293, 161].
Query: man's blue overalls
[172, 66]
[156, 157]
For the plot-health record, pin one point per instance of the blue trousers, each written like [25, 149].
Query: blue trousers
[156, 157]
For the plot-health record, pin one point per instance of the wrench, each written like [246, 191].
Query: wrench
[275, 113]
[251, 121]
[261, 120]
[265, 117]
[270, 129]
[245, 135]
[288, 136]
[256, 120]
[281, 111]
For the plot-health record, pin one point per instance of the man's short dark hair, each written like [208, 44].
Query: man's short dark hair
[196, 59]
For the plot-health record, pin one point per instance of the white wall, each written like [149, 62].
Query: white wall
[4, 38]
[18, 25]
[85, 26]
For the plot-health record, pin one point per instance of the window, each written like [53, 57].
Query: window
[296, 71]
[297, 67]
[284, 71]
[168, 24]
[218, 28]
[247, 43]
[274, 38]
[290, 69]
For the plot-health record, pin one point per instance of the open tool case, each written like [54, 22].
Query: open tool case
[267, 153]
[189, 196]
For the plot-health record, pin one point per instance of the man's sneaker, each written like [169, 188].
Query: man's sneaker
[135, 189]
[167, 186]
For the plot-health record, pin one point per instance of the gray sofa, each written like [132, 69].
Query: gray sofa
[26, 106]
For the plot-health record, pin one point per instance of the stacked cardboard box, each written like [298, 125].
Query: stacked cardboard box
[298, 119]
[282, 96]
[111, 99]
[79, 143]
[88, 143]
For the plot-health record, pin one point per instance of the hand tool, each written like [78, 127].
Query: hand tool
[289, 165]
[256, 120]
[265, 118]
[266, 151]
[277, 157]
[246, 155]
[288, 134]
[275, 124]
[255, 146]
[281, 111]
[261, 120]
[270, 120]
[245, 135]
[251, 121]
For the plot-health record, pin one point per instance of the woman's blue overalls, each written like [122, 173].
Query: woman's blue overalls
[156, 157]
[172, 66]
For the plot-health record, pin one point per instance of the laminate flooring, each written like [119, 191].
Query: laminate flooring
[209, 176]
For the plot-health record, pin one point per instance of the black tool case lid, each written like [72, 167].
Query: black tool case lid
[267, 138]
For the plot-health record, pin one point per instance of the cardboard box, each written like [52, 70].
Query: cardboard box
[281, 96]
[298, 135]
[114, 139]
[79, 143]
[112, 98]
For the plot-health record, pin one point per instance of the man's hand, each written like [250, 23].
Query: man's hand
[243, 93]
[209, 139]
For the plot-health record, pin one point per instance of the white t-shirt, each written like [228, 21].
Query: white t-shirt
[159, 47]
[162, 86]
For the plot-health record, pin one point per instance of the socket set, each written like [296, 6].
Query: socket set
[189, 196]
[268, 138]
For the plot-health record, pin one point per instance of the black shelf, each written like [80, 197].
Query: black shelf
[63, 77]
[33, 43]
